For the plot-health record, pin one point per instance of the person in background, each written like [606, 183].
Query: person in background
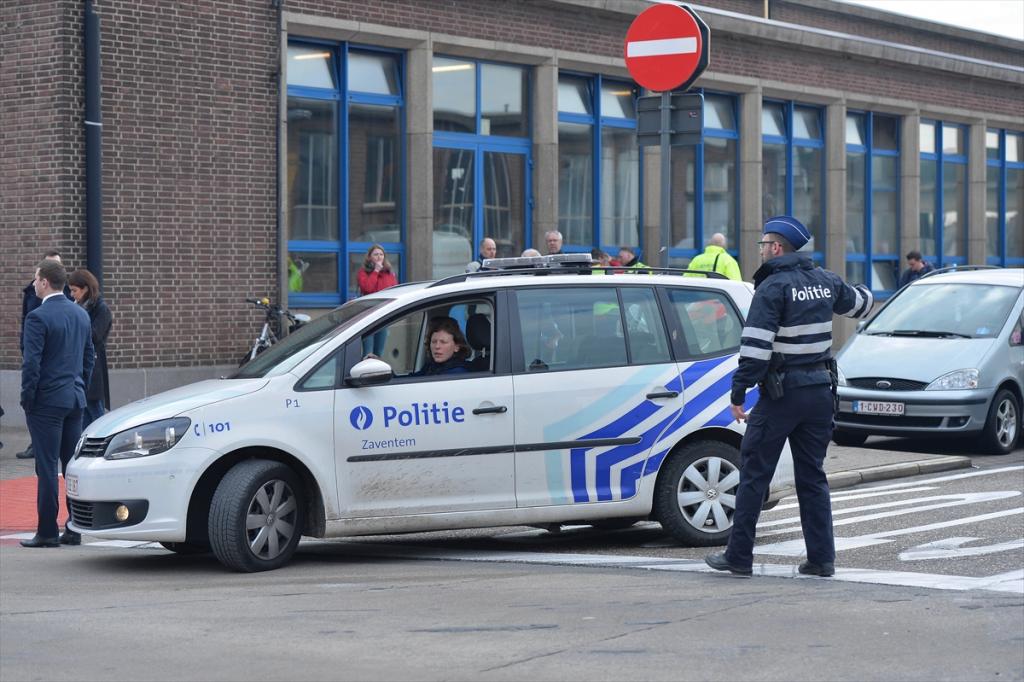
[488, 249]
[448, 349]
[86, 292]
[629, 260]
[715, 259]
[375, 275]
[530, 253]
[917, 267]
[56, 367]
[553, 240]
[29, 302]
[599, 259]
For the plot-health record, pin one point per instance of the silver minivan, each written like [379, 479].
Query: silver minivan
[944, 356]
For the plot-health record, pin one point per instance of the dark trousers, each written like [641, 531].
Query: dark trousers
[93, 411]
[804, 415]
[55, 432]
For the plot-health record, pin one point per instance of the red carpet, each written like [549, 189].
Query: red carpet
[18, 504]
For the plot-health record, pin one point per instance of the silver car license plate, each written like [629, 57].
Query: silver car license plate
[886, 409]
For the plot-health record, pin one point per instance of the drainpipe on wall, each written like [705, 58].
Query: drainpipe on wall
[93, 146]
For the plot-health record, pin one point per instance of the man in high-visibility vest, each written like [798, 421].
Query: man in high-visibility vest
[716, 259]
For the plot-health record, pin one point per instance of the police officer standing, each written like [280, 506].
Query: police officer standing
[786, 349]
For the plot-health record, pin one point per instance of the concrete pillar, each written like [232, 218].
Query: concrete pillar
[419, 178]
[835, 187]
[976, 194]
[910, 185]
[545, 151]
[751, 220]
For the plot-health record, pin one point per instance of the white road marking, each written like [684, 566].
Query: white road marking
[952, 548]
[664, 46]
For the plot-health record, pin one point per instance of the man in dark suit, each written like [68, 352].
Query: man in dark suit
[58, 358]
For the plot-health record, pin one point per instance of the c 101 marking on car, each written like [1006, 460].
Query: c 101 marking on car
[219, 427]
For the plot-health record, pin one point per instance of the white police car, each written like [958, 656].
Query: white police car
[600, 400]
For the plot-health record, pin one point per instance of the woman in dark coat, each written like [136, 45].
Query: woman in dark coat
[86, 292]
[448, 349]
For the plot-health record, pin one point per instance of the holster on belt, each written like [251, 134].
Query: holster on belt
[833, 376]
[771, 385]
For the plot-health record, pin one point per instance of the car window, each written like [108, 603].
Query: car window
[406, 346]
[954, 309]
[648, 341]
[570, 328]
[708, 320]
[324, 376]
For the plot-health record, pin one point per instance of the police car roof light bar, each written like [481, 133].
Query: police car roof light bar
[539, 271]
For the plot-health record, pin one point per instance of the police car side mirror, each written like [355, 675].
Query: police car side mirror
[369, 372]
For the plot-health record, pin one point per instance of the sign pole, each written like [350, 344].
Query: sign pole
[666, 177]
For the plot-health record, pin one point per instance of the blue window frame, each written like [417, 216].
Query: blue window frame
[872, 201]
[1004, 151]
[943, 193]
[346, 158]
[600, 174]
[793, 167]
[705, 183]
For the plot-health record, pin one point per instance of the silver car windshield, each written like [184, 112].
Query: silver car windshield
[306, 338]
[946, 311]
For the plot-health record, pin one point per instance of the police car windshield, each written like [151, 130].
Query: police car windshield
[284, 355]
[946, 311]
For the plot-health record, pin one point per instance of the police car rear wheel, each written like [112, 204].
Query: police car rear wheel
[696, 494]
[256, 517]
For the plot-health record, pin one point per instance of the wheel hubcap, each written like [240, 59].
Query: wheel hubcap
[1006, 423]
[707, 494]
[270, 520]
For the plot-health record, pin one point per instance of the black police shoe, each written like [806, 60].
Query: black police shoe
[720, 563]
[70, 537]
[27, 453]
[822, 570]
[38, 541]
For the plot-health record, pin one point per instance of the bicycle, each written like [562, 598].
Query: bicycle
[275, 316]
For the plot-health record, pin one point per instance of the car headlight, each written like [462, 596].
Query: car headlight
[960, 379]
[841, 378]
[148, 439]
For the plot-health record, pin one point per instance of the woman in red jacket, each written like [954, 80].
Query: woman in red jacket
[375, 275]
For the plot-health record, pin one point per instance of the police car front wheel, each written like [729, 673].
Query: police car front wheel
[695, 498]
[256, 517]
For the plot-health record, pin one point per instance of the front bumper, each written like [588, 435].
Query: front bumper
[925, 412]
[156, 491]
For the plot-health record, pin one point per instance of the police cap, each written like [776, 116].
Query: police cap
[790, 228]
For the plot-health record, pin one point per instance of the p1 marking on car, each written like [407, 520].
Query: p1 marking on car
[574, 399]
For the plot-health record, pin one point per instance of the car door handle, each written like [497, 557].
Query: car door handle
[662, 394]
[497, 409]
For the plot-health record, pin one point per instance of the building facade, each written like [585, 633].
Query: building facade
[260, 147]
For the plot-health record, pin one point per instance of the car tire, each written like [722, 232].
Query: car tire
[185, 548]
[695, 496]
[256, 490]
[1002, 428]
[851, 439]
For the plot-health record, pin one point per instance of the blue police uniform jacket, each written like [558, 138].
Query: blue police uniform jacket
[791, 315]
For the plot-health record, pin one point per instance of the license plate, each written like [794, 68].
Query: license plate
[878, 407]
[71, 484]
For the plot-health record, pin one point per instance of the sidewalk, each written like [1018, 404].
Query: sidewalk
[845, 466]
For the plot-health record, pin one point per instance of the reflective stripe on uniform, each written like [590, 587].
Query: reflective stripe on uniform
[801, 329]
[799, 348]
[755, 353]
[758, 333]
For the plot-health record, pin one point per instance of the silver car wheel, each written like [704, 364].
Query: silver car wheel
[707, 494]
[270, 520]
[1006, 422]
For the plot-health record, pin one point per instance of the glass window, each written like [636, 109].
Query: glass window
[312, 170]
[773, 180]
[856, 202]
[855, 130]
[311, 66]
[574, 95]
[1014, 148]
[648, 341]
[453, 210]
[719, 112]
[312, 272]
[502, 100]
[323, 377]
[927, 137]
[806, 123]
[944, 196]
[564, 329]
[807, 194]
[773, 119]
[374, 167]
[885, 132]
[952, 139]
[1004, 198]
[373, 73]
[620, 187]
[684, 198]
[928, 227]
[617, 100]
[720, 188]
[872, 194]
[993, 233]
[709, 323]
[954, 204]
[992, 144]
[972, 310]
[575, 183]
[454, 95]
[1014, 216]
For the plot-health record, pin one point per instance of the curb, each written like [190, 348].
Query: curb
[846, 479]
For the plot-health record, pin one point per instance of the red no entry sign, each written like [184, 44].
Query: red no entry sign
[667, 47]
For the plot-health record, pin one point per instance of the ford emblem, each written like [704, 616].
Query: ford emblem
[883, 384]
